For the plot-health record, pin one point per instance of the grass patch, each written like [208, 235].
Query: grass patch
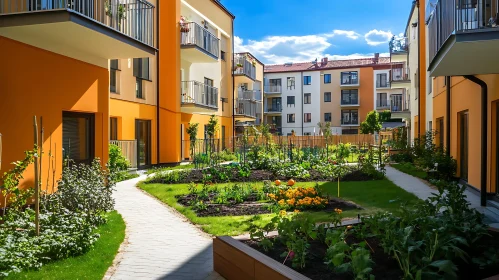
[374, 196]
[93, 264]
[410, 169]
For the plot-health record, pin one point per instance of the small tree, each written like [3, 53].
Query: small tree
[373, 122]
[325, 128]
[192, 130]
[212, 126]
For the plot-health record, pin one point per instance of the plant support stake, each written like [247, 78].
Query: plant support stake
[37, 178]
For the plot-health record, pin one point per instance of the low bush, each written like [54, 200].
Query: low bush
[118, 165]
[68, 219]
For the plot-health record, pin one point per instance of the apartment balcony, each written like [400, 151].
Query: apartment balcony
[350, 122]
[272, 89]
[245, 66]
[252, 95]
[463, 37]
[399, 107]
[350, 102]
[399, 77]
[382, 84]
[382, 104]
[197, 97]
[198, 45]
[88, 30]
[273, 110]
[246, 110]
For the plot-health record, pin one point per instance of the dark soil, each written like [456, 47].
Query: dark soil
[385, 267]
[251, 206]
[196, 176]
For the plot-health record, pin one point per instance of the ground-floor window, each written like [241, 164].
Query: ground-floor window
[143, 136]
[78, 130]
[113, 128]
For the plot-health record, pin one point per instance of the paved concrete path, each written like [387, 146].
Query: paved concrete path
[423, 190]
[160, 243]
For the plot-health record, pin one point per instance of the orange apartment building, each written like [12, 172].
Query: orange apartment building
[458, 49]
[96, 71]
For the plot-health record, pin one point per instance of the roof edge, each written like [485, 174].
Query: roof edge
[223, 8]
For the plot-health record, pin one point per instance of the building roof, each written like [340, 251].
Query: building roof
[217, 2]
[242, 53]
[331, 64]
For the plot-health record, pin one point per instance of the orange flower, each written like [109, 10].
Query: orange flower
[296, 211]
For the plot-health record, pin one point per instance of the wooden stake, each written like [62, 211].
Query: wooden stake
[37, 178]
[338, 186]
[41, 151]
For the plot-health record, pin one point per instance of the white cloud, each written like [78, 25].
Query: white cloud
[377, 37]
[282, 49]
[348, 33]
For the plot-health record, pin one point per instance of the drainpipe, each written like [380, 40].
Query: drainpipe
[233, 89]
[419, 75]
[483, 172]
[302, 100]
[157, 85]
[447, 141]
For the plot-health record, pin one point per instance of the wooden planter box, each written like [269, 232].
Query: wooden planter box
[235, 260]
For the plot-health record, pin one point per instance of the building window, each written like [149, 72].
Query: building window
[350, 78]
[349, 131]
[327, 97]
[291, 83]
[291, 118]
[113, 128]
[327, 78]
[307, 98]
[141, 68]
[139, 86]
[222, 55]
[307, 133]
[307, 117]
[291, 100]
[350, 97]
[382, 80]
[307, 80]
[349, 117]
[113, 72]
[382, 100]
[327, 117]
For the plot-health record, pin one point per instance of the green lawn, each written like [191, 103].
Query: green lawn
[410, 169]
[371, 195]
[92, 265]
[178, 167]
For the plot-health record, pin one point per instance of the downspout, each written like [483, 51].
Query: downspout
[302, 100]
[483, 172]
[419, 74]
[157, 86]
[233, 94]
[447, 140]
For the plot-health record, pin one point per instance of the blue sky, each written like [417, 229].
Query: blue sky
[278, 31]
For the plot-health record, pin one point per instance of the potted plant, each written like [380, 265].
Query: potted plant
[184, 26]
[120, 11]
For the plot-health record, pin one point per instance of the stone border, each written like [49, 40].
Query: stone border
[235, 260]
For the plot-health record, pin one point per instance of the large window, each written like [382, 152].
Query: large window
[139, 88]
[349, 117]
[307, 80]
[350, 78]
[291, 118]
[381, 100]
[274, 82]
[141, 68]
[327, 97]
[307, 98]
[307, 117]
[78, 138]
[327, 78]
[113, 128]
[327, 117]
[382, 80]
[350, 97]
[113, 73]
[291, 100]
[291, 83]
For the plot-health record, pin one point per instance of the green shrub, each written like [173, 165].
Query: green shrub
[118, 165]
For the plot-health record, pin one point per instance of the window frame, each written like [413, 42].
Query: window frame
[293, 84]
[307, 97]
[379, 83]
[293, 117]
[349, 73]
[139, 88]
[330, 117]
[307, 117]
[139, 71]
[287, 101]
[328, 92]
[350, 111]
[307, 80]
[350, 93]
[327, 81]
[113, 128]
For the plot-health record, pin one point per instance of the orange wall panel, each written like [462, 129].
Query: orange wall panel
[366, 92]
[37, 82]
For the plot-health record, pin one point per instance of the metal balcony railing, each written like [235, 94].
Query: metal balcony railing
[272, 89]
[350, 121]
[448, 17]
[134, 18]
[396, 103]
[242, 66]
[193, 34]
[350, 99]
[197, 93]
[250, 95]
[248, 108]
[273, 109]
[128, 149]
[399, 74]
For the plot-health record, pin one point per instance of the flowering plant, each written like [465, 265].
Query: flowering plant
[184, 27]
[299, 198]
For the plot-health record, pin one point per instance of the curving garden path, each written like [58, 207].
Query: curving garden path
[159, 244]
